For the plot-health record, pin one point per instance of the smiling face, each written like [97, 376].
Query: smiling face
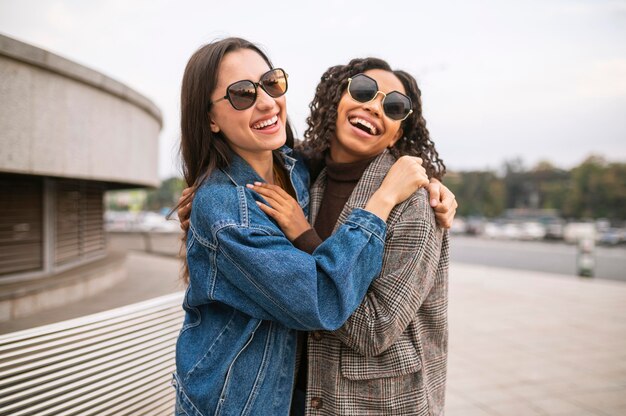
[258, 129]
[363, 130]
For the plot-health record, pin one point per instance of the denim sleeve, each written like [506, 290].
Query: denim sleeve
[274, 280]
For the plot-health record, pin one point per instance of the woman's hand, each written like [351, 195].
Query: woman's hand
[405, 177]
[443, 202]
[283, 209]
[184, 211]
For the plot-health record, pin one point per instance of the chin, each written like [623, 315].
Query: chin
[273, 143]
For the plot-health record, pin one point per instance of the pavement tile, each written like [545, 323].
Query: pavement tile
[533, 343]
[602, 400]
[454, 401]
[615, 411]
[514, 408]
[558, 406]
[471, 410]
[489, 396]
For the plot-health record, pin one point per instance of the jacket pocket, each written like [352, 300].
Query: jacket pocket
[400, 359]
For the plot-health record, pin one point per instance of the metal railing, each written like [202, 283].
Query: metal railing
[117, 362]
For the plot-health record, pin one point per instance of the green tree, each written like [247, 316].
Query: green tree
[166, 196]
[552, 185]
[598, 191]
[594, 189]
[477, 192]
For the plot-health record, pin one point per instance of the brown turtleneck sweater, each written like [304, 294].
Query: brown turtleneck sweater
[341, 179]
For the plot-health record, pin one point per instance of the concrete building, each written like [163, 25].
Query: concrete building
[67, 135]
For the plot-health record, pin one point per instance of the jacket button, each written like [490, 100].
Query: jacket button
[316, 402]
[317, 335]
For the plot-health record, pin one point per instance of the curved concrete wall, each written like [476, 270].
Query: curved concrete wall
[59, 118]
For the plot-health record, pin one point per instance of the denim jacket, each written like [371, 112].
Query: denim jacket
[250, 291]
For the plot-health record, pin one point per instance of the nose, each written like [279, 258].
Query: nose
[263, 101]
[375, 106]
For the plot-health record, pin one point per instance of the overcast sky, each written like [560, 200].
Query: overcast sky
[538, 79]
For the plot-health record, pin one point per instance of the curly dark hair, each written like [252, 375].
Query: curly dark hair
[322, 121]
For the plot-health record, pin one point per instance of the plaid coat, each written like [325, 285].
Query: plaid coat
[390, 357]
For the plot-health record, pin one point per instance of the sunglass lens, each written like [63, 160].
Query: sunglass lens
[397, 105]
[274, 83]
[242, 94]
[363, 88]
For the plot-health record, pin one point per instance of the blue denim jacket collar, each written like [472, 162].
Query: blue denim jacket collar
[239, 171]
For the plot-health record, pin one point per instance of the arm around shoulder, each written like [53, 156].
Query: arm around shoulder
[262, 274]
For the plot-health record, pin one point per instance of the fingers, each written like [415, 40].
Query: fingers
[273, 193]
[422, 177]
[447, 200]
[444, 220]
[434, 194]
[415, 159]
[446, 210]
[423, 182]
[184, 211]
[268, 210]
[275, 188]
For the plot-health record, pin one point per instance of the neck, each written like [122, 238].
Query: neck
[340, 155]
[262, 163]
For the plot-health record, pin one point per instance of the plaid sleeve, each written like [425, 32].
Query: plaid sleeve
[410, 267]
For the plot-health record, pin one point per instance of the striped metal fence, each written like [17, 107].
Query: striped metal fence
[117, 362]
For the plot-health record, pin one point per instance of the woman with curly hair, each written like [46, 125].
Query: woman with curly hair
[389, 358]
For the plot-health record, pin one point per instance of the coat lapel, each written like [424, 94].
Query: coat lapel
[317, 194]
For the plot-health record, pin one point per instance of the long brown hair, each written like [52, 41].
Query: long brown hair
[202, 151]
[322, 121]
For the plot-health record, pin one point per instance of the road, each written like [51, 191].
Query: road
[551, 257]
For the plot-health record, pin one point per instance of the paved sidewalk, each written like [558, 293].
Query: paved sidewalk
[528, 343]
[521, 343]
[149, 276]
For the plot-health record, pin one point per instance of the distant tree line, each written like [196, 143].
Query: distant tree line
[594, 189]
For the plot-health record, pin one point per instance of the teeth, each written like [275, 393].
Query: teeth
[356, 120]
[265, 123]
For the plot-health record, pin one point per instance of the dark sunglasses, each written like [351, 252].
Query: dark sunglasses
[363, 89]
[242, 94]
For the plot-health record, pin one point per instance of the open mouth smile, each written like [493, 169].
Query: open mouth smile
[266, 124]
[364, 125]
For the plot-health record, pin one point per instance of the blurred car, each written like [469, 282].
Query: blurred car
[575, 231]
[152, 221]
[474, 225]
[532, 230]
[459, 226]
[611, 236]
[493, 230]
